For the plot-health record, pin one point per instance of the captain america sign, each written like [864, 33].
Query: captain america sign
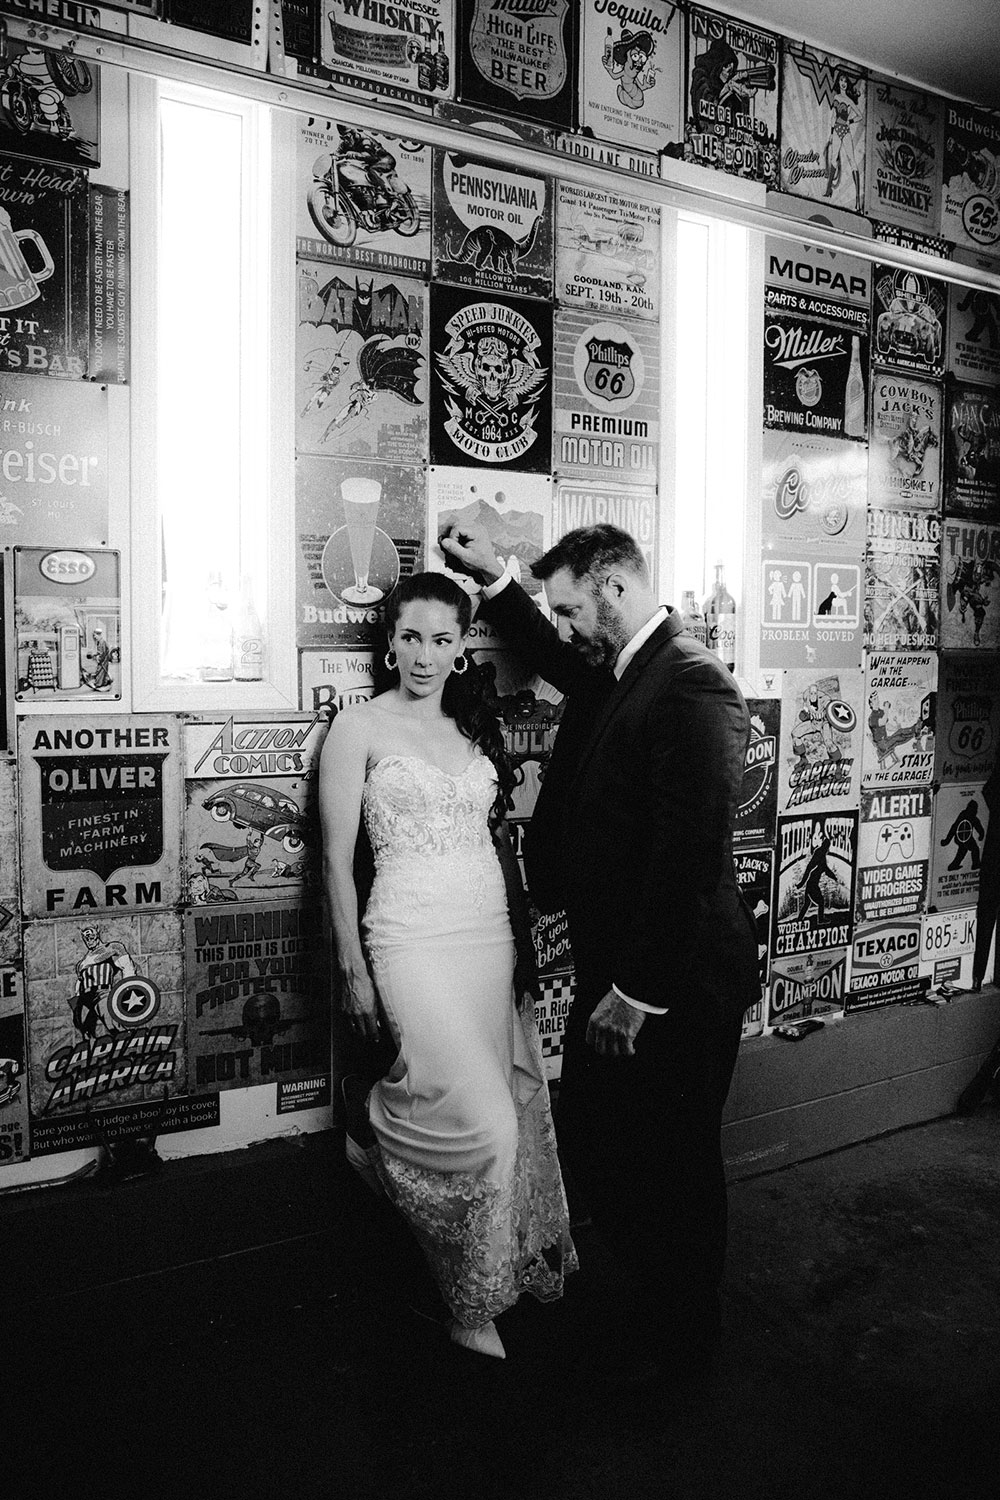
[491, 391]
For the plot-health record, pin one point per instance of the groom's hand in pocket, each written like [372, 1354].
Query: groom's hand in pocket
[614, 1026]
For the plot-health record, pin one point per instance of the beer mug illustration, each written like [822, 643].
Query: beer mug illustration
[361, 500]
[18, 282]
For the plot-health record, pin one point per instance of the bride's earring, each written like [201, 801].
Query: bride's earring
[458, 670]
[390, 660]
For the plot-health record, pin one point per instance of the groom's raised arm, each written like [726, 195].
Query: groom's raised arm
[513, 613]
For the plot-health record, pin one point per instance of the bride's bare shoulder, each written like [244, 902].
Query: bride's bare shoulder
[350, 731]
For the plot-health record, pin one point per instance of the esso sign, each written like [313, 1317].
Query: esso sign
[67, 567]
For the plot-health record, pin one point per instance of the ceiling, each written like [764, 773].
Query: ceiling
[952, 46]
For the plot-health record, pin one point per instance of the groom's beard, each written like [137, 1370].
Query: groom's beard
[603, 648]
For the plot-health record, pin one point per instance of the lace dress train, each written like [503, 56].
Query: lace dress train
[465, 1145]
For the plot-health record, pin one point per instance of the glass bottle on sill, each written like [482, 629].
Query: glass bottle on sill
[248, 652]
[215, 645]
[692, 617]
[720, 619]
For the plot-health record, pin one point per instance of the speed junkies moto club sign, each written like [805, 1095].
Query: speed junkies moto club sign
[491, 396]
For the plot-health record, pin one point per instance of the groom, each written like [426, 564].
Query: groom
[632, 836]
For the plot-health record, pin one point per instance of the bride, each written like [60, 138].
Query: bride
[459, 1130]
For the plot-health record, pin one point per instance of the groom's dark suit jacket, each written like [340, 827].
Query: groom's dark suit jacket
[632, 831]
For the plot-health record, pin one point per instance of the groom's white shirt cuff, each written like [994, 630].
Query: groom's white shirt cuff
[651, 1010]
[490, 590]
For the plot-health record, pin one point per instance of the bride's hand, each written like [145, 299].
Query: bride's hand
[359, 1005]
[526, 987]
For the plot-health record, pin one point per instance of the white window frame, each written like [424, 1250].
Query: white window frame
[712, 397]
[266, 437]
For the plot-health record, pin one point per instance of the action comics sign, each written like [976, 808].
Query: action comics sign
[904, 155]
[491, 380]
[902, 581]
[732, 97]
[101, 816]
[251, 829]
[492, 227]
[606, 419]
[823, 135]
[361, 364]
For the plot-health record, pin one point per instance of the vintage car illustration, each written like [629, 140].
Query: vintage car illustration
[247, 804]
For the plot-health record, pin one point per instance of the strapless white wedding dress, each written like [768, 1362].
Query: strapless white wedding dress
[464, 1140]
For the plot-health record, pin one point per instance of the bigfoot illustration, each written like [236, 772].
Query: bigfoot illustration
[811, 881]
[963, 833]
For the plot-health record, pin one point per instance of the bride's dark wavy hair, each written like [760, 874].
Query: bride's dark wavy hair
[462, 699]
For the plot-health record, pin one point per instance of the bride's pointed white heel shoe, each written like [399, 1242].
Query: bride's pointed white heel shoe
[353, 1093]
[359, 1159]
[484, 1340]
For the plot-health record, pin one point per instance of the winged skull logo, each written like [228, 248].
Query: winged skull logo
[489, 375]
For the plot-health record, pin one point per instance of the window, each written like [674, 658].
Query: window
[712, 351]
[207, 489]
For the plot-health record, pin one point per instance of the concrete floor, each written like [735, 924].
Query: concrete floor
[251, 1326]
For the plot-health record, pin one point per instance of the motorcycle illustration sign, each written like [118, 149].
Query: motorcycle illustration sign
[363, 198]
